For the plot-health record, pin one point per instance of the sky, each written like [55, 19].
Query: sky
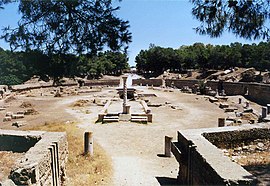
[165, 23]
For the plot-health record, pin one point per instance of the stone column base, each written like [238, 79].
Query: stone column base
[126, 109]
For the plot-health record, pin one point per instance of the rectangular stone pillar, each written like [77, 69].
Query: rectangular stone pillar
[221, 122]
[124, 94]
[264, 112]
[168, 141]
[88, 143]
[268, 108]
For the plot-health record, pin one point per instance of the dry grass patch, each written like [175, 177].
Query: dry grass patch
[80, 103]
[253, 159]
[81, 169]
[7, 161]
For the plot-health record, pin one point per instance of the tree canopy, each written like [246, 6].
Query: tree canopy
[17, 67]
[61, 26]
[248, 19]
[156, 60]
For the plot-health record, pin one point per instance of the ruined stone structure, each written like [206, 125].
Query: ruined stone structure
[43, 161]
[125, 92]
[24, 87]
[201, 162]
[257, 92]
[126, 107]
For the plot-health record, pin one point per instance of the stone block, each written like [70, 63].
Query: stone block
[9, 113]
[7, 118]
[223, 105]
[20, 112]
[17, 116]
[213, 100]
[18, 124]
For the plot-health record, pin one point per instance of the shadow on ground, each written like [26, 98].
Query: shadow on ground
[165, 181]
[262, 172]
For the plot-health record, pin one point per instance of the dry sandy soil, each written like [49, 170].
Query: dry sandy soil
[136, 150]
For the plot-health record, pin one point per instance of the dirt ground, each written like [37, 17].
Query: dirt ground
[136, 150]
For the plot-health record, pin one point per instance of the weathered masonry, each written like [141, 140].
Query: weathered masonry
[257, 92]
[201, 162]
[43, 160]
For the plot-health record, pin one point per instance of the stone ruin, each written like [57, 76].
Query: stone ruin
[203, 160]
[142, 114]
[42, 157]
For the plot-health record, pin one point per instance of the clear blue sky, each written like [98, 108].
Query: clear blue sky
[166, 23]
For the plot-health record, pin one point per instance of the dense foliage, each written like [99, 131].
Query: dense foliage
[64, 38]
[17, 67]
[63, 27]
[245, 18]
[156, 59]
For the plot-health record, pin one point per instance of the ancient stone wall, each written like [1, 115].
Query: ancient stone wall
[259, 92]
[229, 139]
[203, 163]
[149, 82]
[254, 91]
[44, 163]
[47, 85]
[180, 83]
[112, 82]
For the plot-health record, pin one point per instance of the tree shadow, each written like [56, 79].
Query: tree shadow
[261, 171]
[165, 181]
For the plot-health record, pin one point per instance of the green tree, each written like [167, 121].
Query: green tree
[13, 70]
[244, 18]
[61, 27]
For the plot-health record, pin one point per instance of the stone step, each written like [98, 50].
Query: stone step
[212, 100]
[139, 119]
[17, 116]
[109, 120]
[111, 117]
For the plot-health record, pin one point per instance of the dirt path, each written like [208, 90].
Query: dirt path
[135, 149]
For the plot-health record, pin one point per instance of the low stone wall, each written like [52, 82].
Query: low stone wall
[229, 139]
[180, 83]
[147, 111]
[149, 82]
[104, 111]
[203, 163]
[44, 163]
[257, 92]
[24, 87]
[113, 82]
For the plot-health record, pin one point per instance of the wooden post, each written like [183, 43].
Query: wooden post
[88, 143]
[168, 141]
[221, 122]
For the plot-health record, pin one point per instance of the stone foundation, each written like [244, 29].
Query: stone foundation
[257, 92]
[44, 160]
[201, 162]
